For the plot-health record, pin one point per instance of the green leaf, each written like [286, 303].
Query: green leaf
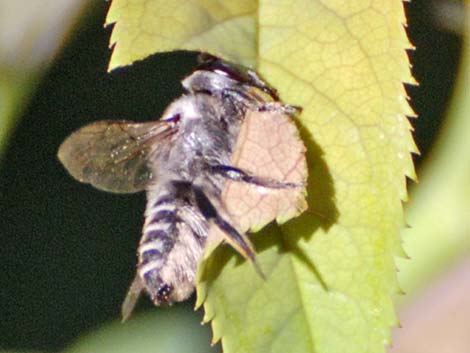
[8, 96]
[144, 27]
[331, 272]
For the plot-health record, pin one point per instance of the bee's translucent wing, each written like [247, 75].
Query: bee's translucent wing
[112, 155]
[131, 298]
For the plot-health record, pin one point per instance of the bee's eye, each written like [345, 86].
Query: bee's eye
[163, 294]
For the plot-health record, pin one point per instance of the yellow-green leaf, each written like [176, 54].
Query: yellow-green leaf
[144, 27]
[331, 272]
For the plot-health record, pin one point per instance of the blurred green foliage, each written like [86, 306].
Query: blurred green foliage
[439, 214]
[61, 279]
[168, 331]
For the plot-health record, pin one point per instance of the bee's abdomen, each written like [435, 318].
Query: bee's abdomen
[159, 237]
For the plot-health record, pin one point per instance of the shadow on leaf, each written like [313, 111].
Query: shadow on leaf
[322, 213]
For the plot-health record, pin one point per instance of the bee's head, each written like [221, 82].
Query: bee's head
[214, 75]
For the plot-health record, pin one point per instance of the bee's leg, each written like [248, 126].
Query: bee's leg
[290, 110]
[239, 99]
[240, 242]
[237, 174]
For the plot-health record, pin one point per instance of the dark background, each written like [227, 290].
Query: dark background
[67, 250]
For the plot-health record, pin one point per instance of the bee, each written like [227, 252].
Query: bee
[182, 162]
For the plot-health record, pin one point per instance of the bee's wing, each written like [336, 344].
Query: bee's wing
[132, 297]
[112, 155]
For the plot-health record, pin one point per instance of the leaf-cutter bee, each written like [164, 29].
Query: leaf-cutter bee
[182, 162]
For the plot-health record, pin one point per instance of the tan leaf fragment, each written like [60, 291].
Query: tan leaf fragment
[268, 146]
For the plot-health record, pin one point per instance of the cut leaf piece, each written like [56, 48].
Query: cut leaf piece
[270, 149]
[269, 146]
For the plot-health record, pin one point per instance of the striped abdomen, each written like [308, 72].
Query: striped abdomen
[159, 236]
[169, 249]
